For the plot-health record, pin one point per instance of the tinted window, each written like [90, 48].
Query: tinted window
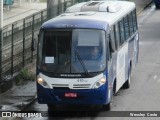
[117, 35]
[130, 23]
[121, 31]
[134, 20]
[126, 27]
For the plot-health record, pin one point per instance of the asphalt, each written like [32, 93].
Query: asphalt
[22, 95]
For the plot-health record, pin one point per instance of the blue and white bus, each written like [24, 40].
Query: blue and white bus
[87, 54]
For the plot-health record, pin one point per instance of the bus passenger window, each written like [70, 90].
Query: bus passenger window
[126, 27]
[121, 31]
[117, 35]
[112, 39]
[134, 20]
[131, 23]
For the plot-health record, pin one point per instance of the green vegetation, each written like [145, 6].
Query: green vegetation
[43, 1]
[24, 76]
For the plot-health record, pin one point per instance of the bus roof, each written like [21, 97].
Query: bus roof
[92, 14]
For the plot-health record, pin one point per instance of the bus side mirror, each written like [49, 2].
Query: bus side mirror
[33, 45]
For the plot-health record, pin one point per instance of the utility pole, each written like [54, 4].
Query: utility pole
[52, 9]
[1, 14]
[20, 2]
[1, 40]
[55, 7]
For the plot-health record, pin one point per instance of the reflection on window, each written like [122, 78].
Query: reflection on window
[121, 30]
[131, 23]
[88, 38]
[57, 46]
[126, 27]
[117, 35]
[134, 20]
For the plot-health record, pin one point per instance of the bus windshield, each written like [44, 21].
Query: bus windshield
[72, 51]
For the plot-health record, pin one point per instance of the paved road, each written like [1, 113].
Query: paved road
[143, 94]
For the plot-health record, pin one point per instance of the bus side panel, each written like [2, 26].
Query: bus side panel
[136, 49]
[111, 74]
[122, 63]
[133, 50]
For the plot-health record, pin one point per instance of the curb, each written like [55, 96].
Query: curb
[32, 101]
[140, 11]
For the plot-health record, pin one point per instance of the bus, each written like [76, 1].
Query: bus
[157, 3]
[86, 54]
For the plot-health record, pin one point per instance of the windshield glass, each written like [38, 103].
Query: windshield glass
[72, 51]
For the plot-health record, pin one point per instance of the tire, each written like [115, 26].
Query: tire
[107, 106]
[52, 107]
[157, 6]
[126, 85]
[114, 88]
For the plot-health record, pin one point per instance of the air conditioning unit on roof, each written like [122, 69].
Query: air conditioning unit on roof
[95, 6]
[113, 7]
[101, 6]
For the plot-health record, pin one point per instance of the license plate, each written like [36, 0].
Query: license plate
[70, 95]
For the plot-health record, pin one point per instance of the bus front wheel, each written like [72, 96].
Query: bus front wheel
[107, 106]
[52, 107]
[157, 6]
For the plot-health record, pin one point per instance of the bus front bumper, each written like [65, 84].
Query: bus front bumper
[83, 97]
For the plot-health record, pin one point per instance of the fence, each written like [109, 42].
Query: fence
[16, 38]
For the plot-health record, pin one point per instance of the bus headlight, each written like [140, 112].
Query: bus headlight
[99, 83]
[42, 82]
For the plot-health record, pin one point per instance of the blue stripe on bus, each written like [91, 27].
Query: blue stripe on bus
[75, 23]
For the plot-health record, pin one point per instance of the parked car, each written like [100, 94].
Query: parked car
[157, 3]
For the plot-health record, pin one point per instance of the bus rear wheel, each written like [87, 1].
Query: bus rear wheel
[128, 82]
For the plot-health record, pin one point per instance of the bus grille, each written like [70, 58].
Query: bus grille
[66, 86]
[81, 86]
[60, 85]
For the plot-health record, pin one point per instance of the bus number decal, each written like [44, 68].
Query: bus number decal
[82, 80]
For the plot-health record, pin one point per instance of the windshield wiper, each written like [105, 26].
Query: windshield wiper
[82, 63]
